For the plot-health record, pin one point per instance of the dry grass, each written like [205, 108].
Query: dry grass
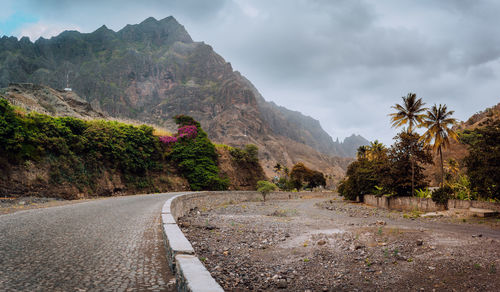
[161, 131]
[158, 131]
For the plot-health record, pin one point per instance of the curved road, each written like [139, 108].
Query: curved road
[112, 244]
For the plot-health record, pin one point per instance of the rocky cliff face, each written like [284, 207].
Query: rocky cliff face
[45, 100]
[153, 70]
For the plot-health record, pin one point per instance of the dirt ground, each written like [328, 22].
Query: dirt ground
[14, 204]
[331, 245]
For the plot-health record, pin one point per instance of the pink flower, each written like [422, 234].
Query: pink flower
[168, 139]
[187, 131]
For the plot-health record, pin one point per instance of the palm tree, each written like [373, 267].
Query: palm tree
[438, 122]
[411, 112]
[362, 152]
[277, 168]
[452, 167]
[376, 150]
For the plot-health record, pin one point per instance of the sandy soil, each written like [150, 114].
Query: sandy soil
[332, 245]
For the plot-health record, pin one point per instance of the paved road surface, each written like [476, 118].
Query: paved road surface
[104, 245]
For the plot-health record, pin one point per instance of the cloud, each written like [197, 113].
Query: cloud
[344, 62]
[43, 29]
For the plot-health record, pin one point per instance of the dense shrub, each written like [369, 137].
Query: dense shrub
[442, 195]
[196, 157]
[247, 155]
[285, 184]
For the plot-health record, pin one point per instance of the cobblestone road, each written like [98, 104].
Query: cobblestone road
[104, 245]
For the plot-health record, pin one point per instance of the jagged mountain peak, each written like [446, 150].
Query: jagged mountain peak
[160, 32]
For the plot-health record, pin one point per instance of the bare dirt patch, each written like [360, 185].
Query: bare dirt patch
[331, 245]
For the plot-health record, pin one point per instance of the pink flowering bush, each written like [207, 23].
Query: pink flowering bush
[188, 131]
[168, 139]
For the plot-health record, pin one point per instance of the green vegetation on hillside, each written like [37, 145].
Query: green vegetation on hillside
[196, 157]
[78, 151]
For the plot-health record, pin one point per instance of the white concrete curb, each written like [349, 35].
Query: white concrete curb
[191, 275]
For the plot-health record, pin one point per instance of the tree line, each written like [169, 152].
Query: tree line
[398, 170]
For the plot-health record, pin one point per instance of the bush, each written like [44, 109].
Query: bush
[423, 193]
[196, 158]
[265, 187]
[250, 154]
[285, 184]
[461, 188]
[442, 195]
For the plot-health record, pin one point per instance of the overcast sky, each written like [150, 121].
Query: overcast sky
[342, 62]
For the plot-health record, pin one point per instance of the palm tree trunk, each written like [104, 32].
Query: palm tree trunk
[412, 177]
[442, 166]
[412, 171]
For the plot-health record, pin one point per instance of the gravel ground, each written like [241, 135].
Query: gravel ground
[111, 244]
[331, 245]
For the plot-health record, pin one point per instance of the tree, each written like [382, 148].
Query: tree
[369, 171]
[362, 151]
[438, 122]
[376, 150]
[361, 178]
[411, 112]
[303, 176]
[264, 187]
[483, 161]
[399, 178]
[277, 167]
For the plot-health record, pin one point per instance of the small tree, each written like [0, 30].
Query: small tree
[265, 187]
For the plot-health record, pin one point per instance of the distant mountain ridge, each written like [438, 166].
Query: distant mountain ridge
[153, 70]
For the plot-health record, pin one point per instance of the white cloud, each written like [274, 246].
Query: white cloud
[43, 29]
[248, 9]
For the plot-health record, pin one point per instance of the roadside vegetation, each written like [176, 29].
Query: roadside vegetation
[79, 152]
[194, 155]
[398, 170]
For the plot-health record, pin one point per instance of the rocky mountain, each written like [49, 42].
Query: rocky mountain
[45, 100]
[153, 70]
